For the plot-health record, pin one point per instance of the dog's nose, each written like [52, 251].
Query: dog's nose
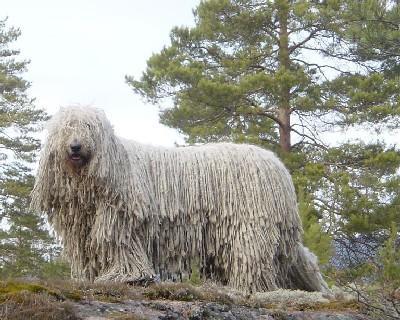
[75, 146]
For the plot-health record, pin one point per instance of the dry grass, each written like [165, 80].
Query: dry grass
[21, 304]
[49, 300]
[173, 291]
[187, 292]
[102, 291]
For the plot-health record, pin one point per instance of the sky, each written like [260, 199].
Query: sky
[80, 52]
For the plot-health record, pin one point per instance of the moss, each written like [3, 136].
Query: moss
[51, 298]
[352, 305]
[12, 287]
[175, 291]
[74, 295]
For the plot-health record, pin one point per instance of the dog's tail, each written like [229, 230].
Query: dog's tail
[305, 274]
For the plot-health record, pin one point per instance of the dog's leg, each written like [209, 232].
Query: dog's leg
[128, 263]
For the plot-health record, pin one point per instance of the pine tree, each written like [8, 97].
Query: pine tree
[25, 244]
[283, 74]
[375, 31]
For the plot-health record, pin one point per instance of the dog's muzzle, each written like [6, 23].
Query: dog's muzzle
[77, 155]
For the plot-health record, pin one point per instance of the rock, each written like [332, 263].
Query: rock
[166, 301]
[177, 310]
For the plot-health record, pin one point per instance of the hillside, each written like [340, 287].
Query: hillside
[62, 300]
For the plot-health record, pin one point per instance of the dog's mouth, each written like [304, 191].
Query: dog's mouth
[78, 159]
[75, 157]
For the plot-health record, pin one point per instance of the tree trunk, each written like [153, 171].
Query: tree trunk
[284, 66]
[284, 129]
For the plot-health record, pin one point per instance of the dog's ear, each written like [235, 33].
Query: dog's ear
[109, 159]
[43, 191]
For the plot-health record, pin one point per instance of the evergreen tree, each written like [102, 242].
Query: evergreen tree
[373, 100]
[375, 31]
[25, 243]
[283, 74]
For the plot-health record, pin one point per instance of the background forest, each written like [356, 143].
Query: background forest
[318, 82]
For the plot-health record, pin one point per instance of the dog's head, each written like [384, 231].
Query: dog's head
[78, 136]
[81, 155]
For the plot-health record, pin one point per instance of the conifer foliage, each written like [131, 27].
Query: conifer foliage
[25, 244]
[290, 76]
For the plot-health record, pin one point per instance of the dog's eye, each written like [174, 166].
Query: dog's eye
[87, 125]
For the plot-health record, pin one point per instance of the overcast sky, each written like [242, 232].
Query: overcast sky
[80, 52]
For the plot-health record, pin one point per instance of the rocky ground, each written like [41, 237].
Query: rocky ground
[71, 300]
[171, 310]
